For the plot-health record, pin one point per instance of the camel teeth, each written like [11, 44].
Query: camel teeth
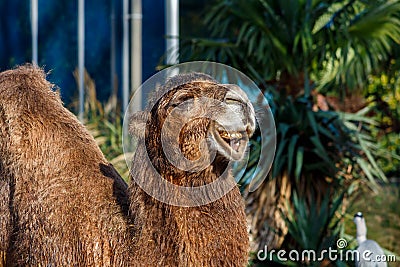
[238, 135]
[225, 135]
[235, 135]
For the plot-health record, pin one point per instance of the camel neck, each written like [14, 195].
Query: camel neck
[191, 236]
[205, 235]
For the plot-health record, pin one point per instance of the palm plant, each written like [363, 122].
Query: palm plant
[294, 49]
[290, 42]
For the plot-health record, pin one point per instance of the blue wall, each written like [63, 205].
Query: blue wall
[153, 35]
[58, 40]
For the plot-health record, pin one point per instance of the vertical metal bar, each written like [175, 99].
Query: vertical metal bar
[172, 32]
[34, 29]
[113, 46]
[81, 55]
[125, 56]
[136, 52]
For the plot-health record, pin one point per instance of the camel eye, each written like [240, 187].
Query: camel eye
[184, 106]
[182, 101]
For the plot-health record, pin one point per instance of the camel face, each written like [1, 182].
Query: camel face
[234, 124]
[201, 122]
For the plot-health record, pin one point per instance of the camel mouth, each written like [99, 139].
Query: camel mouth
[232, 138]
[231, 143]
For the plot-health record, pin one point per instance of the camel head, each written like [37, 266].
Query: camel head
[193, 122]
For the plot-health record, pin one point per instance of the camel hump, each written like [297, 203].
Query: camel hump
[25, 80]
[25, 89]
[25, 74]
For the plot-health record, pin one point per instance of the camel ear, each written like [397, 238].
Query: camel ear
[137, 123]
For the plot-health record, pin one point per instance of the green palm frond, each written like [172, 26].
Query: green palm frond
[324, 142]
[361, 37]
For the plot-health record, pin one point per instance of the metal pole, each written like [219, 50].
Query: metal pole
[125, 56]
[136, 52]
[113, 53]
[81, 55]
[172, 32]
[34, 29]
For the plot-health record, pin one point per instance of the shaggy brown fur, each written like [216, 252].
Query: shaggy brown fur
[61, 203]
[209, 235]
